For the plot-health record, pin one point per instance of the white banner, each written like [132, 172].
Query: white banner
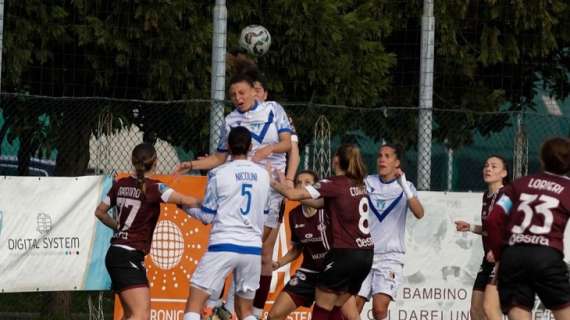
[441, 264]
[50, 239]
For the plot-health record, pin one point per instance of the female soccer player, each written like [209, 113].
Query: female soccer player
[308, 230]
[293, 160]
[485, 297]
[237, 196]
[270, 131]
[137, 199]
[271, 140]
[535, 210]
[390, 196]
[349, 258]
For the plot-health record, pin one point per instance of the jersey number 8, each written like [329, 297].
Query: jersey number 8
[363, 210]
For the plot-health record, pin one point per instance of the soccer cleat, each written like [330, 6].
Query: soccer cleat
[221, 313]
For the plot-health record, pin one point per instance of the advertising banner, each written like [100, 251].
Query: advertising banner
[50, 239]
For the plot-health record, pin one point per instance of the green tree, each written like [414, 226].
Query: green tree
[491, 52]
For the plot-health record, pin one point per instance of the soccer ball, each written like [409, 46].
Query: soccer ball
[255, 39]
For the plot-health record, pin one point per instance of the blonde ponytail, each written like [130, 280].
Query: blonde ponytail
[350, 161]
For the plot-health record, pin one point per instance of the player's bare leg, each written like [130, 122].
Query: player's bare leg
[326, 303]
[244, 308]
[476, 311]
[195, 303]
[517, 313]
[136, 302]
[269, 239]
[562, 314]
[350, 309]
[491, 304]
[126, 309]
[380, 303]
[282, 307]
[360, 301]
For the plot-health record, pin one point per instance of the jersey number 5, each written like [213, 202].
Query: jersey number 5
[544, 208]
[246, 192]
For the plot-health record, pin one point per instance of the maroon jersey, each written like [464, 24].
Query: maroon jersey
[310, 234]
[137, 213]
[347, 207]
[489, 199]
[539, 207]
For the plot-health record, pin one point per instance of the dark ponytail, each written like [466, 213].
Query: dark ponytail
[143, 159]
[350, 161]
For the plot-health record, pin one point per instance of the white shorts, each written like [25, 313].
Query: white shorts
[272, 218]
[213, 268]
[385, 277]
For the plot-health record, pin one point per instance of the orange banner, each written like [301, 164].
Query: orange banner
[178, 243]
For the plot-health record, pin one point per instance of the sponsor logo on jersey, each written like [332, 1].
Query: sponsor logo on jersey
[528, 239]
[297, 226]
[380, 204]
[318, 256]
[364, 242]
[308, 235]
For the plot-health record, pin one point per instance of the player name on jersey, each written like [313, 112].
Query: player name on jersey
[541, 184]
[129, 192]
[358, 191]
[246, 176]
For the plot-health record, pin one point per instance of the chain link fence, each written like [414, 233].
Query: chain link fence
[78, 136]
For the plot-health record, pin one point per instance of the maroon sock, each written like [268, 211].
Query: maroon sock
[262, 293]
[320, 313]
[336, 313]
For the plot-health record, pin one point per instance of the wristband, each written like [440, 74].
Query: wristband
[472, 228]
[405, 187]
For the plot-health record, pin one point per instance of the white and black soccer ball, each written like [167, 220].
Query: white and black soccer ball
[255, 39]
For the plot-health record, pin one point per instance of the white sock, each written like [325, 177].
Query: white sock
[250, 317]
[257, 312]
[230, 302]
[191, 316]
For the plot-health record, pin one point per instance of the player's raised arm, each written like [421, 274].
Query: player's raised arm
[411, 194]
[288, 192]
[205, 163]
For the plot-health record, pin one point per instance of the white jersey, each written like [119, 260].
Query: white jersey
[389, 207]
[265, 121]
[237, 195]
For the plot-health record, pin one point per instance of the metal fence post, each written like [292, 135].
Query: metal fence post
[218, 72]
[426, 96]
[520, 149]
